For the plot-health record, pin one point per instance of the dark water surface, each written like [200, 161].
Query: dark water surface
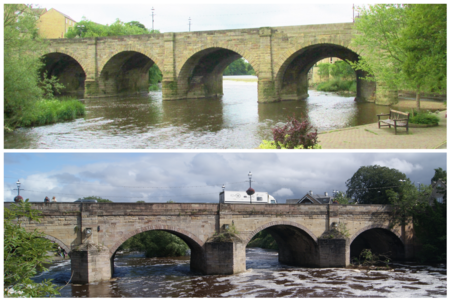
[137, 276]
[234, 121]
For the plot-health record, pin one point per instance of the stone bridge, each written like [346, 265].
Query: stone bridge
[192, 63]
[92, 232]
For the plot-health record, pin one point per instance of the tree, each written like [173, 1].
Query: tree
[24, 252]
[21, 62]
[99, 199]
[156, 244]
[239, 67]
[370, 183]
[342, 198]
[439, 174]
[401, 44]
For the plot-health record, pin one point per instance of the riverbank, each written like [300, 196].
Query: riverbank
[371, 137]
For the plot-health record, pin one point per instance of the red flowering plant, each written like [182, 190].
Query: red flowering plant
[295, 134]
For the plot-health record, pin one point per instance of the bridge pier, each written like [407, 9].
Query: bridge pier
[224, 258]
[90, 265]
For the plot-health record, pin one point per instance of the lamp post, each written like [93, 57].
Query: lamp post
[223, 188]
[18, 198]
[250, 191]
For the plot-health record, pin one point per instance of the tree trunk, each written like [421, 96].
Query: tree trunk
[418, 98]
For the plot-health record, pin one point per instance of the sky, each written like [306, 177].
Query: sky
[173, 16]
[196, 177]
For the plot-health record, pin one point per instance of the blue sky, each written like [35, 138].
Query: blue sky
[196, 177]
[173, 16]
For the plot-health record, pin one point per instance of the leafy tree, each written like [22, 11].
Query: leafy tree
[263, 239]
[370, 183]
[156, 244]
[342, 69]
[86, 28]
[402, 45]
[24, 252]
[324, 70]
[239, 67]
[21, 62]
[99, 199]
[439, 174]
[342, 198]
[140, 201]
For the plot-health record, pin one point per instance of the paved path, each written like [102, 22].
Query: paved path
[371, 137]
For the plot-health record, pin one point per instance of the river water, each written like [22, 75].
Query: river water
[234, 121]
[137, 276]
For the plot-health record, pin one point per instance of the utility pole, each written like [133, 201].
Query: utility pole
[189, 23]
[153, 20]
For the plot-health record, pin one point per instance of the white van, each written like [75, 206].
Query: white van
[231, 197]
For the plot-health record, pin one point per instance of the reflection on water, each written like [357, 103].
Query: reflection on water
[235, 120]
[137, 276]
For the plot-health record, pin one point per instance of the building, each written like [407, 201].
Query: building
[53, 24]
[439, 189]
[311, 198]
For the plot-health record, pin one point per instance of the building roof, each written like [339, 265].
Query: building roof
[312, 198]
[66, 16]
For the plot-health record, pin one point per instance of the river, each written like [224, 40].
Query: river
[137, 276]
[234, 121]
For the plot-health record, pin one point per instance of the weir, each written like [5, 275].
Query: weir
[92, 232]
[192, 63]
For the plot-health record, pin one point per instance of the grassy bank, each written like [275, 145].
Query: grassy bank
[44, 112]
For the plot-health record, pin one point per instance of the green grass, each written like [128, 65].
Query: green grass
[44, 112]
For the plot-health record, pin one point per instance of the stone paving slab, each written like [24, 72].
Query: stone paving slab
[371, 137]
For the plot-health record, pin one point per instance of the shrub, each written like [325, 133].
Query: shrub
[51, 111]
[295, 134]
[424, 117]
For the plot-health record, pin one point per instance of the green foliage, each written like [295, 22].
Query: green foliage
[424, 117]
[24, 252]
[337, 84]
[239, 67]
[50, 86]
[99, 199]
[140, 201]
[21, 62]
[404, 46]
[324, 70]
[86, 28]
[156, 244]
[367, 258]
[342, 198]
[370, 183]
[430, 227]
[439, 173]
[272, 145]
[44, 112]
[154, 77]
[264, 240]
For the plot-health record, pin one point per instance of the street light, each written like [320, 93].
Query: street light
[18, 187]
[223, 187]
[250, 191]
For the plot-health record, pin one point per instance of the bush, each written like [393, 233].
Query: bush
[295, 135]
[51, 111]
[424, 117]
[337, 84]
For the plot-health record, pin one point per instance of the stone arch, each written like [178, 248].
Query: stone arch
[297, 245]
[68, 68]
[380, 239]
[153, 56]
[291, 70]
[74, 55]
[57, 241]
[200, 74]
[125, 71]
[274, 223]
[191, 239]
[250, 56]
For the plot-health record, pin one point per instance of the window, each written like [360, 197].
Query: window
[259, 198]
[272, 202]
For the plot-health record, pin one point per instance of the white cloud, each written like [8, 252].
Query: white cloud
[401, 165]
[283, 192]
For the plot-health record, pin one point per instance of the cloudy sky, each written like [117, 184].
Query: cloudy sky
[173, 16]
[196, 177]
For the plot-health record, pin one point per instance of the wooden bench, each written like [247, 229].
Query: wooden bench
[395, 118]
